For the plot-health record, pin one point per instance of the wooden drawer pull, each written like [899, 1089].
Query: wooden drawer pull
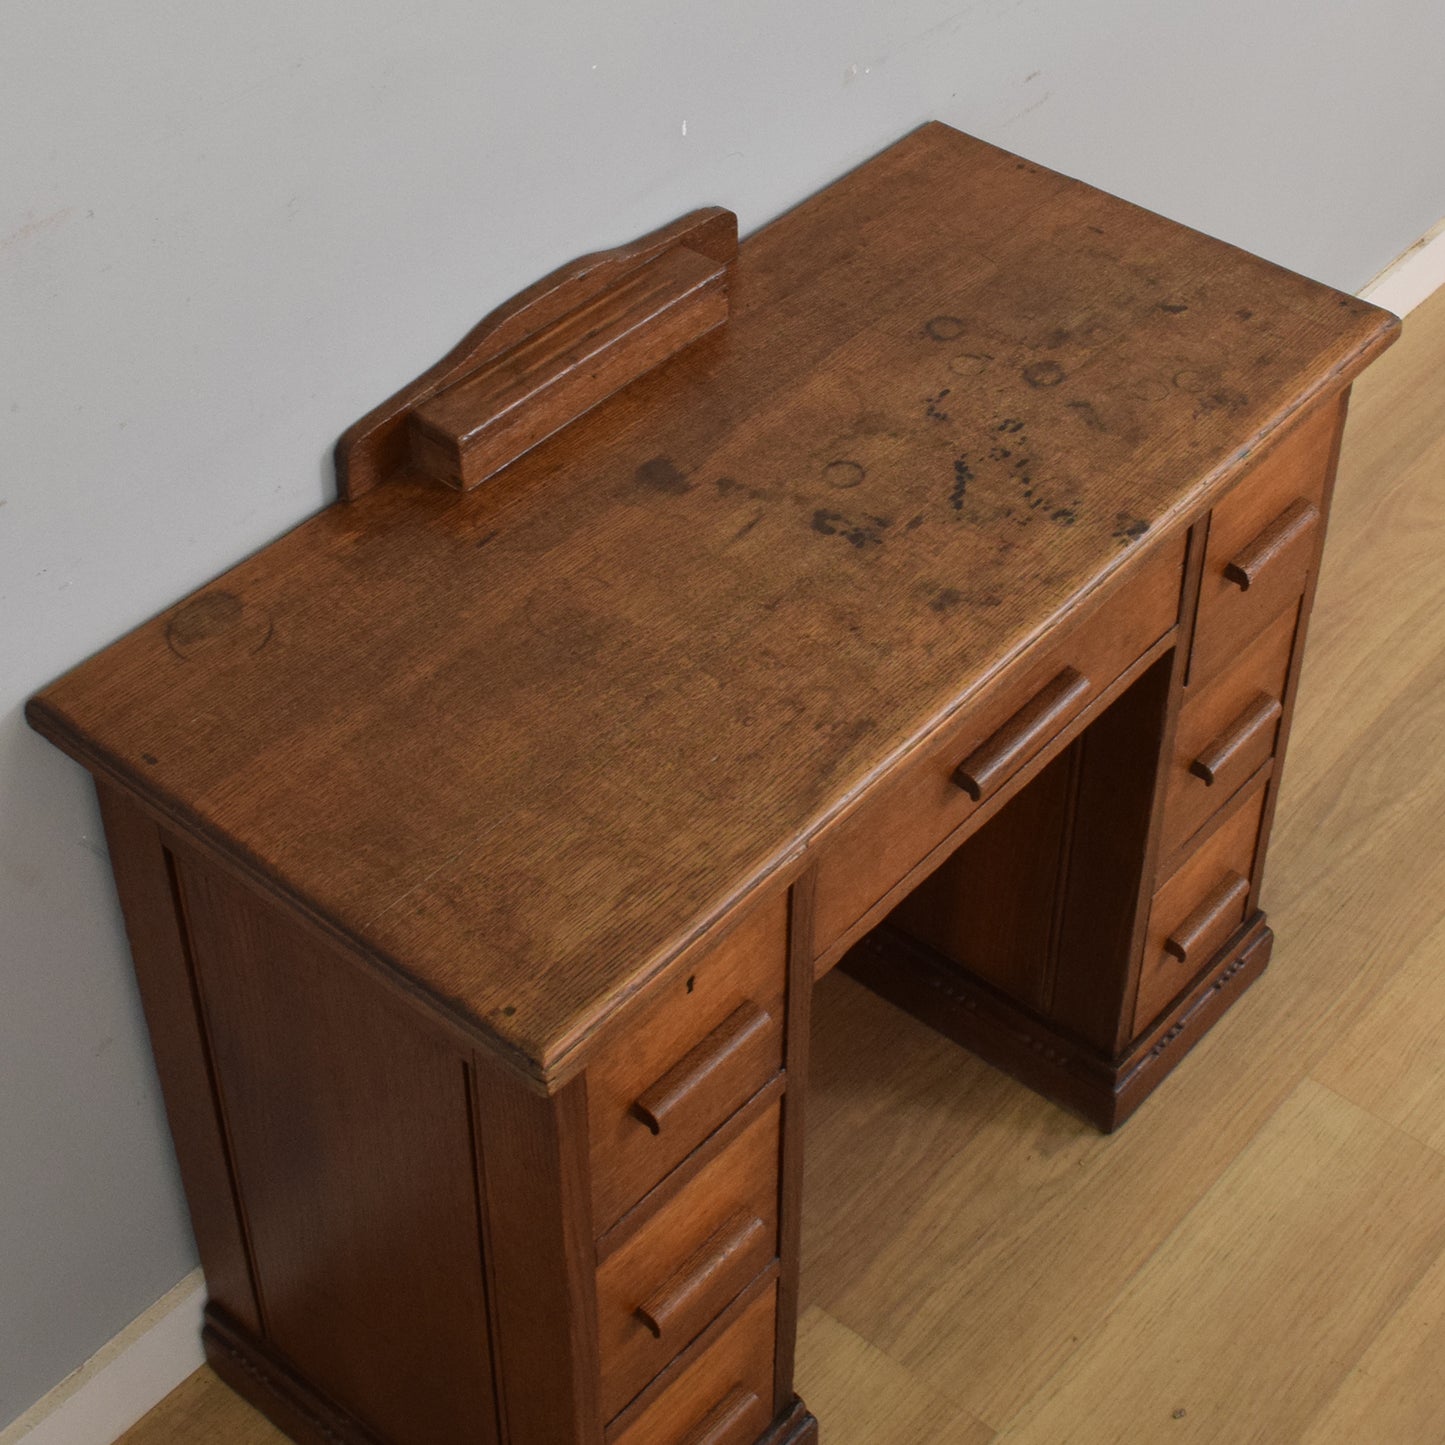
[1263, 712]
[1022, 735]
[1246, 567]
[660, 1100]
[718, 1424]
[739, 1233]
[1228, 894]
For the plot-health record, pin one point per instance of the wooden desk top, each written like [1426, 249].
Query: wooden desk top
[524, 743]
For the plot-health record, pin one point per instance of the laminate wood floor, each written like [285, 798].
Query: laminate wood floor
[1259, 1255]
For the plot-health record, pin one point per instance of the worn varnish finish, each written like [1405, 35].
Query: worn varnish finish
[967, 1242]
[956, 391]
[486, 843]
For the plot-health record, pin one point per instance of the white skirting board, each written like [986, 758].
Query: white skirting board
[1411, 277]
[124, 1379]
[151, 1356]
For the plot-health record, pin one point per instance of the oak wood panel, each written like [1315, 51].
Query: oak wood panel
[541, 1276]
[991, 904]
[715, 1030]
[351, 1134]
[693, 1256]
[1198, 908]
[479, 424]
[919, 442]
[374, 448]
[1209, 713]
[735, 1367]
[866, 853]
[1289, 485]
[797, 1040]
[145, 881]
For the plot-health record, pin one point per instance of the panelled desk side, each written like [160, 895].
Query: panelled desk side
[939, 613]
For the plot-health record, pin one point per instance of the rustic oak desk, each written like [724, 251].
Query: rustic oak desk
[921, 589]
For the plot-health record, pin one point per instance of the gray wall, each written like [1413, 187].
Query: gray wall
[230, 228]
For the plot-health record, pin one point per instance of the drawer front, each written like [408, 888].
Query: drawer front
[1195, 913]
[724, 1396]
[1264, 538]
[996, 737]
[688, 1054]
[1226, 731]
[671, 1278]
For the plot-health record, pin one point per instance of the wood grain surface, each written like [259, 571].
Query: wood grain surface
[573, 716]
[1035, 1249]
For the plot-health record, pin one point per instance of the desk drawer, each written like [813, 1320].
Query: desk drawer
[995, 738]
[687, 1054]
[1264, 538]
[1226, 731]
[1195, 913]
[667, 1281]
[722, 1396]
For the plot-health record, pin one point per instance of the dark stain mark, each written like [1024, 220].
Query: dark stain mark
[844, 474]
[510, 1009]
[659, 474]
[1245, 314]
[482, 542]
[962, 476]
[946, 599]
[867, 533]
[727, 486]
[999, 454]
[1010, 424]
[914, 523]
[208, 616]
[150, 758]
[945, 328]
[1097, 230]
[691, 982]
[1174, 308]
[218, 614]
[969, 363]
[1067, 515]
[1128, 528]
[1044, 373]
[992, 599]
[1221, 400]
[933, 403]
[1058, 337]
[1088, 413]
[1149, 388]
[749, 525]
[1190, 381]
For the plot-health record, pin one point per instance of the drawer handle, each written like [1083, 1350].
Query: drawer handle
[1263, 712]
[738, 1234]
[1184, 942]
[719, 1422]
[659, 1101]
[1245, 568]
[1022, 735]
